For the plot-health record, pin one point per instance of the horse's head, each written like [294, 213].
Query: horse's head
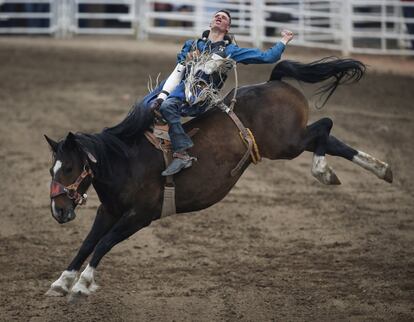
[71, 177]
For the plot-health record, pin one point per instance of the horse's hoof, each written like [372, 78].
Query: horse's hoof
[388, 174]
[334, 180]
[56, 291]
[75, 297]
[93, 287]
[327, 177]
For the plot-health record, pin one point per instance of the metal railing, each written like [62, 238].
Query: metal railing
[28, 16]
[350, 26]
[359, 26]
[66, 17]
[96, 17]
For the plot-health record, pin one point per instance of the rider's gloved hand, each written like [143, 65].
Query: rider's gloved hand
[155, 105]
[287, 36]
[155, 109]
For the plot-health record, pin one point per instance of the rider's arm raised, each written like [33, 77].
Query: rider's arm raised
[257, 56]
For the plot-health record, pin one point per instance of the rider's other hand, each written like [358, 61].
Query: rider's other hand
[155, 109]
[155, 105]
[287, 35]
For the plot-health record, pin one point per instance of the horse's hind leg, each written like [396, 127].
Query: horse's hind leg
[381, 169]
[316, 141]
[319, 141]
[102, 223]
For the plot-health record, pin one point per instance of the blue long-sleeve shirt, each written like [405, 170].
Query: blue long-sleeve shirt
[238, 54]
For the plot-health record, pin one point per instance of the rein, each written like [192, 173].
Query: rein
[245, 133]
[71, 191]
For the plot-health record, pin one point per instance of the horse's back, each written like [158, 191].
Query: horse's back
[277, 114]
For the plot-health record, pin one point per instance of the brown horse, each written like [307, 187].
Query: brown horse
[125, 169]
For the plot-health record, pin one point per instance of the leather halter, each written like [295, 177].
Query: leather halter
[71, 191]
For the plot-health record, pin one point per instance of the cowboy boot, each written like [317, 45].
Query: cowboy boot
[181, 160]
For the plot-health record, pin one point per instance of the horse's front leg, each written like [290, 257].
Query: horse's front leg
[103, 222]
[126, 226]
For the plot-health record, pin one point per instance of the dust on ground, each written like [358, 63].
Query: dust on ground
[280, 246]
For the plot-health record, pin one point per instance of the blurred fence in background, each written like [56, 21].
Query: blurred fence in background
[351, 26]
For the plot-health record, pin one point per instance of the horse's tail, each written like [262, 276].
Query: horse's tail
[343, 71]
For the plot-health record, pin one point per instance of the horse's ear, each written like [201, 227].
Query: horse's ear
[71, 137]
[53, 144]
[70, 141]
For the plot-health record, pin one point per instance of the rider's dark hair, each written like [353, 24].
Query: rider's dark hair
[226, 12]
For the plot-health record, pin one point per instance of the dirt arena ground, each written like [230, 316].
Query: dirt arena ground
[279, 247]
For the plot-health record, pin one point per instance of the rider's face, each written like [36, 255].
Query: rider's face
[220, 22]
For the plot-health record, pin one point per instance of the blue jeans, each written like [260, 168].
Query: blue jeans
[172, 109]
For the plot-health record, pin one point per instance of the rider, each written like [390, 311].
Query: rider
[171, 102]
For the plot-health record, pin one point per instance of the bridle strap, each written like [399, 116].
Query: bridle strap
[85, 173]
[71, 191]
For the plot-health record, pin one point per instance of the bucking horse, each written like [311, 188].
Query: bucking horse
[125, 168]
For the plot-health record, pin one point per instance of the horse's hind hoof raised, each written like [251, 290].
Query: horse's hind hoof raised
[334, 180]
[327, 176]
[388, 174]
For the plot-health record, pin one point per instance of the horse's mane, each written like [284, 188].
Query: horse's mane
[106, 149]
[131, 128]
[114, 143]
